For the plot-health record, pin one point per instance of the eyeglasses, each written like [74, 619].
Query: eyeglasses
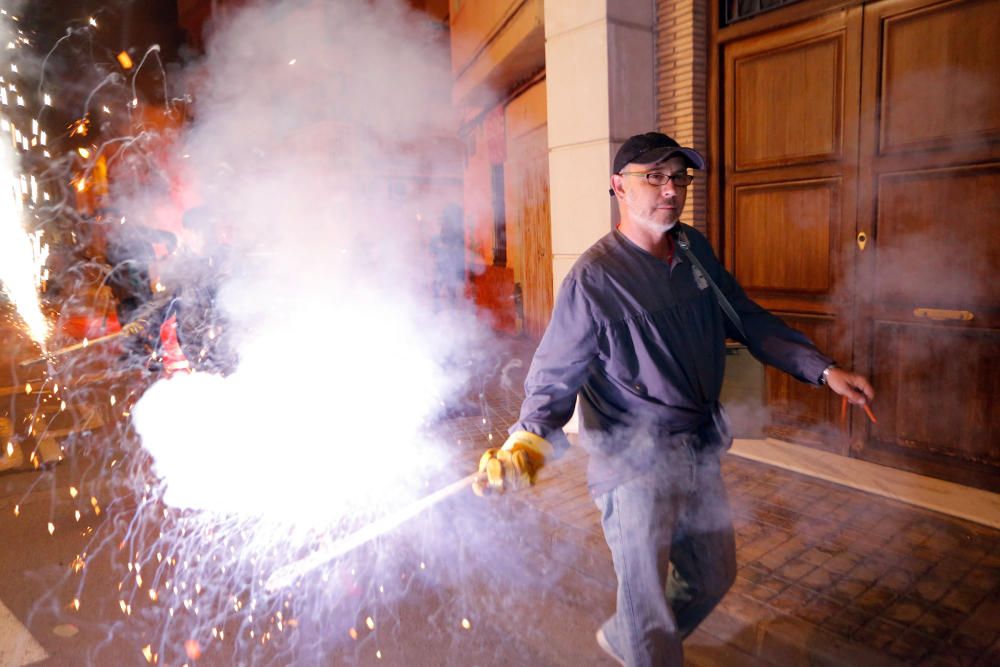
[659, 179]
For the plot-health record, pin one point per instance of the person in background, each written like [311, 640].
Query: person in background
[194, 278]
[448, 252]
[130, 252]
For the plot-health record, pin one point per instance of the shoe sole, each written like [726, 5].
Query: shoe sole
[605, 645]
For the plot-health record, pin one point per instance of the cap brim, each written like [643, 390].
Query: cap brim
[664, 153]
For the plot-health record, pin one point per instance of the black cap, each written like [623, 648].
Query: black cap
[654, 148]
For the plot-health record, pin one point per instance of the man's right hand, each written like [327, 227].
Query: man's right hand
[512, 466]
[855, 388]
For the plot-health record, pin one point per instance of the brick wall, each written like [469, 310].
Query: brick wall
[681, 86]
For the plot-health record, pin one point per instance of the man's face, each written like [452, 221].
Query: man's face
[654, 208]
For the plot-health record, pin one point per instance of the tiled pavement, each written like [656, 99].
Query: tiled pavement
[918, 586]
[827, 575]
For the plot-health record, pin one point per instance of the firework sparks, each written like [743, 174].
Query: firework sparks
[21, 255]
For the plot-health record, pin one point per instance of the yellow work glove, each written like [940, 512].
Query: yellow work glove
[514, 465]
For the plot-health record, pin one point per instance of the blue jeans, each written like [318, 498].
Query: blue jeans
[671, 537]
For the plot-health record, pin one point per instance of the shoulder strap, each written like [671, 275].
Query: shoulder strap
[727, 308]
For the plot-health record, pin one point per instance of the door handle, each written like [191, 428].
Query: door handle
[862, 240]
[941, 315]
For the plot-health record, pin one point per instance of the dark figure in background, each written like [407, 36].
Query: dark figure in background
[639, 333]
[129, 278]
[448, 255]
[130, 251]
[194, 276]
[448, 252]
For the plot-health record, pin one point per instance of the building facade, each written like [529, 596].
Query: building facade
[853, 185]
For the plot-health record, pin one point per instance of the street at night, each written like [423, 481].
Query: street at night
[517, 332]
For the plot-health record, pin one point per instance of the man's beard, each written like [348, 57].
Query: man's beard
[647, 220]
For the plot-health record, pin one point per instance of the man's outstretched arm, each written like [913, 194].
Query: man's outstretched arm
[557, 372]
[773, 342]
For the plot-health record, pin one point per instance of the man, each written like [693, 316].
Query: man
[196, 275]
[639, 332]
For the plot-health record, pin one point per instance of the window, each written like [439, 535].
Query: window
[737, 10]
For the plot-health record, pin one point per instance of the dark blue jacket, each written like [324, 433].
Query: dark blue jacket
[643, 343]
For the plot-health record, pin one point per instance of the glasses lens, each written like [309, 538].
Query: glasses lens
[658, 178]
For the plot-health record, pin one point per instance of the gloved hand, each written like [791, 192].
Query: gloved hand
[514, 465]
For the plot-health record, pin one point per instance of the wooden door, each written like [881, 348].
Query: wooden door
[929, 204]
[790, 137]
[529, 234]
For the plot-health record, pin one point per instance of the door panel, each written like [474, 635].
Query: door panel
[528, 226]
[929, 197]
[537, 247]
[939, 75]
[792, 220]
[913, 362]
[799, 412]
[790, 135]
[802, 118]
[923, 260]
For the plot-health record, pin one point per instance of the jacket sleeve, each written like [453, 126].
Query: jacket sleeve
[768, 338]
[559, 367]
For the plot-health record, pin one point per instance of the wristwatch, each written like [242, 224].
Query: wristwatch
[824, 376]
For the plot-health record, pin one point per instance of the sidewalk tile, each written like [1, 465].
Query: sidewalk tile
[848, 589]
[911, 647]
[876, 598]
[938, 622]
[905, 610]
[878, 634]
[791, 598]
[962, 599]
[932, 588]
[818, 609]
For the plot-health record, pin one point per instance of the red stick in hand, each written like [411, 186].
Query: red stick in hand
[868, 411]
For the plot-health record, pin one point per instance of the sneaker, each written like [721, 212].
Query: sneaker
[606, 646]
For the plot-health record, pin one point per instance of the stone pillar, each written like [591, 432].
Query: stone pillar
[682, 88]
[599, 66]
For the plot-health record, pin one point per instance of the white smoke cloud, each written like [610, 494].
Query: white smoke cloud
[320, 147]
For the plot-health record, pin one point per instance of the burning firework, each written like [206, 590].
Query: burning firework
[310, 232]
